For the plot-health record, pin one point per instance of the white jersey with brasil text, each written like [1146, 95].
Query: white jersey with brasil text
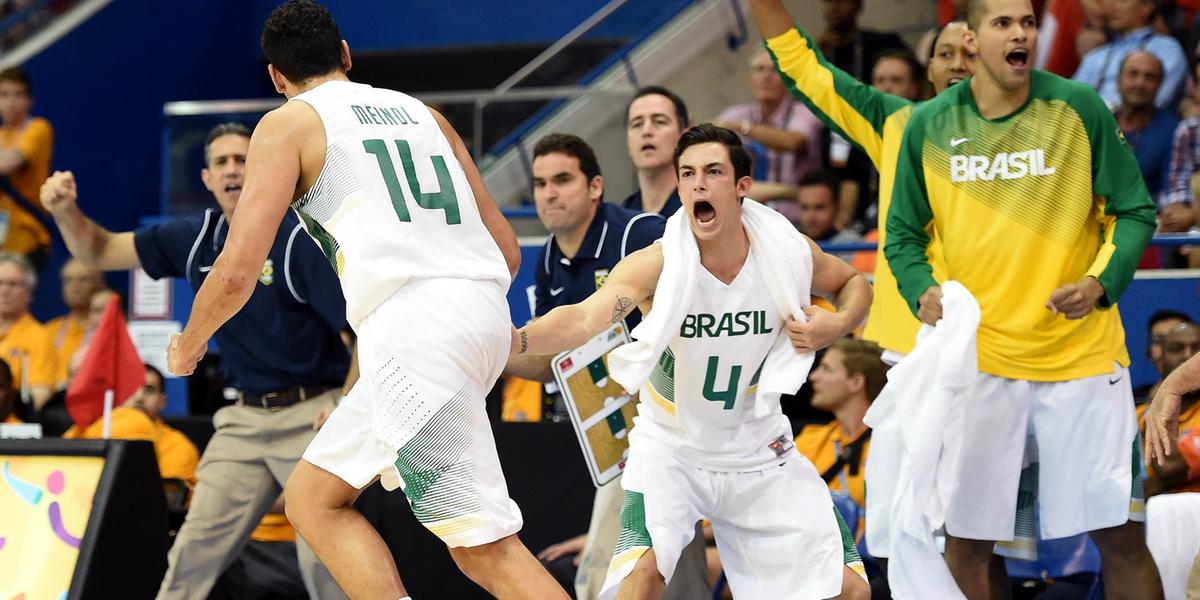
[700, 396]
[392, 204]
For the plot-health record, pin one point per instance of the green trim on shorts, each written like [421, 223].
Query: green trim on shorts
[1139, 470]
[849, 549]
[633, 523]
[439, 484]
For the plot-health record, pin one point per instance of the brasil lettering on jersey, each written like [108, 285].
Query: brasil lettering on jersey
[753, 322]
[1005, 165]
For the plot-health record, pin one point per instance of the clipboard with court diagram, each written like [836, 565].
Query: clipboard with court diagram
[600, 410]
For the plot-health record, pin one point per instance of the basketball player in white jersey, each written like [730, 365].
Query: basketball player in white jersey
[698, 450]
[386, 188]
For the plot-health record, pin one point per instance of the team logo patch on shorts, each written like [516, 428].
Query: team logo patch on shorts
[267, 276]
[601, 276]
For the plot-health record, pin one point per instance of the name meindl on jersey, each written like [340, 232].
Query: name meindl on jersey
[1005, 165]
[701, 325]
[374, 115]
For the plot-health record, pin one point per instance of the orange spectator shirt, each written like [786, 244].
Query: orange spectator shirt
[177, 455]
[1189, 421]
[66, 335]
[27, 339]
[35, 140]
[820, 443]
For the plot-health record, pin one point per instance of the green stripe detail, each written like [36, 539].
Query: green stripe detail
[633, 523]
[440, 485]
[662, 378]
[849, 550]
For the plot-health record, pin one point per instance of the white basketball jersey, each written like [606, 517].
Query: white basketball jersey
[392, 203]
[700, 396]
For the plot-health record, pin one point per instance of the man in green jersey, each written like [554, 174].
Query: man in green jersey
[1039, 209]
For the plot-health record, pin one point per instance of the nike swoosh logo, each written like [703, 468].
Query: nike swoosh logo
[1114, 381]
[557, 291]
[956, 142]
[206, 269]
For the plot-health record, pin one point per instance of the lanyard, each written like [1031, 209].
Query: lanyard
[1108, 57]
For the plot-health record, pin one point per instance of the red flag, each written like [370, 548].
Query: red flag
[111, 362]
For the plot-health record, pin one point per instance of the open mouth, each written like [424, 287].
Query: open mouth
[233, 187]
[953, 80]
[648, 147]
[704, 212]
[1017, 58]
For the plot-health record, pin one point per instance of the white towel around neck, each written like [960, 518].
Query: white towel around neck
[785, 264]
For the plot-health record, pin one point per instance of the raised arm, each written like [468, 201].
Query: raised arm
[855, 110]
[85, 239]
[630, 283]
[493, 219]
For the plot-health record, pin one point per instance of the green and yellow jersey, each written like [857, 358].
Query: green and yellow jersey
[874, 122]
[1022, 205]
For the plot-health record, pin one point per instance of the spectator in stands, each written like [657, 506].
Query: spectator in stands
[1068, 30]
[1172, 476]
[784, 135]
[24, 344]
[1130, 20]
[1149, 131]
[1161, 323]
[139, 417]
[898, 73]
[11, 411]
[79, 282]
[848, 378]
[654, 121]
[1177, 198]
[25, 146]
[817, 200]
[283, 352]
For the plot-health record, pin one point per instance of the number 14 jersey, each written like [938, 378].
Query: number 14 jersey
[700, 396]
[392, 203]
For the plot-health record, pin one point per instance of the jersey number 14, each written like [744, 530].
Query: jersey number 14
[443, 199]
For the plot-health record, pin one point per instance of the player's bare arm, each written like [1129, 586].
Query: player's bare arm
[851, 293]
[630, 283]
[86, 239]
[272, 173]
[493, 219]
[1162, 418]
[771, 17]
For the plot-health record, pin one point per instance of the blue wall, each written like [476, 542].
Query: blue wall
[103, 86]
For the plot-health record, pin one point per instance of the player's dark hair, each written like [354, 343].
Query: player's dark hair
[975, 10]
[704, 133]
[573, 146]
[18, 75]
[223, 129]
[681, 112]
[821, 177]
[302, 41]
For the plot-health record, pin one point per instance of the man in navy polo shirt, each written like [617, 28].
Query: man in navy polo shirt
[283, 352]
[654, 120]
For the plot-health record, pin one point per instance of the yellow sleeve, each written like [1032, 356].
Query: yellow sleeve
[36, 141]
[43, 360]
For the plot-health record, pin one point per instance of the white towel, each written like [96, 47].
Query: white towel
[1173, 536]
[785, 263]
[945, 356]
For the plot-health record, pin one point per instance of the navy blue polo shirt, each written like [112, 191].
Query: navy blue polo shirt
[613, 233]
[634, 203]
[288, 332]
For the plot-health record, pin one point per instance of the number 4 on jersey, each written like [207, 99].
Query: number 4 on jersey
[729, 395]
[444, 199]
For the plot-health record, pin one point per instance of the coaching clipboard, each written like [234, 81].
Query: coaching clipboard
[600, 410]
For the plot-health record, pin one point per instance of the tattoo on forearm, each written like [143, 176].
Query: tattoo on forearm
[524, 342]
[620, 308]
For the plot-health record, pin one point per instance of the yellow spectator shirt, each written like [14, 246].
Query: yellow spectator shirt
[35, 140]
[26, 342]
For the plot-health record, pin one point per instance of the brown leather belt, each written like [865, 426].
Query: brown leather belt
[283, 398]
